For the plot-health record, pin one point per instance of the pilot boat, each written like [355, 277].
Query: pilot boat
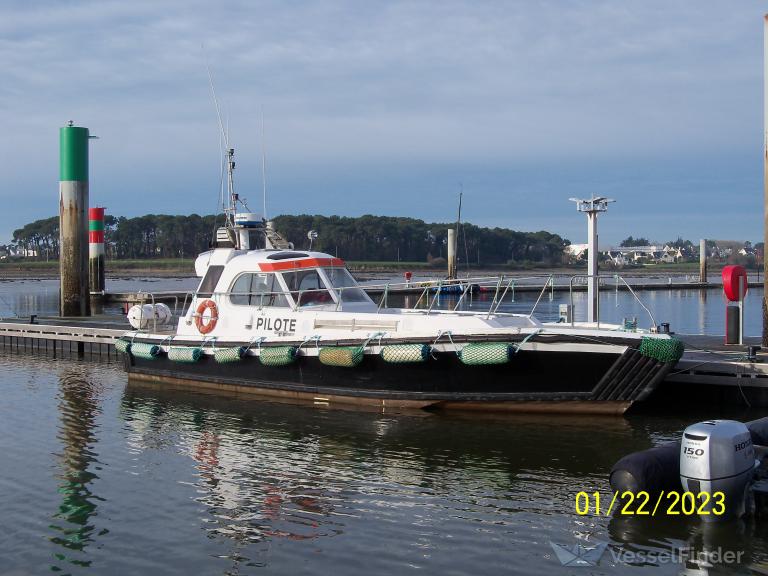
[269, 319]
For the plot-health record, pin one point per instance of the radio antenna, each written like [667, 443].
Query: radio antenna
[223, 138]
[228, 154]
[216, 102]
[263, 165]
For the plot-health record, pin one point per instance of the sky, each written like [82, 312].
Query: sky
[392, 108]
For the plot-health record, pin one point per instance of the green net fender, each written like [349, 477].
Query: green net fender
[345, 356]
[228, 355]
[278, 355]
[145, 350]
[662, 349]
[405, 353]
[184, 354]
[485, 353]
[123, 346]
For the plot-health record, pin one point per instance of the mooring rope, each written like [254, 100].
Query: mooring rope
[314, 338]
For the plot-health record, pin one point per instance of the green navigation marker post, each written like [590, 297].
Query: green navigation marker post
[73, 221]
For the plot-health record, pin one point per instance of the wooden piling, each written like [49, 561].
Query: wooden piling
[451, 253]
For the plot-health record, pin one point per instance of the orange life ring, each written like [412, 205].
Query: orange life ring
[202, 326]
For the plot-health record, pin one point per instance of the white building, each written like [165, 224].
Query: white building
[653, 253]
[576, 250]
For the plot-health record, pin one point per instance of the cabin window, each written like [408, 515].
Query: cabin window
[307, 288]
[257, 290]
[211, 278]
[346, 287]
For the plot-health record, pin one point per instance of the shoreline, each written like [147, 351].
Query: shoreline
[44, 271]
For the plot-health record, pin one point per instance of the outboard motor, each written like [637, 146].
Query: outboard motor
[718, 456]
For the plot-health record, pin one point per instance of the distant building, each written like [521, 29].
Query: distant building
[654, 253]
[672, 254]
[11, 251]
[576, 250]
[617, 258]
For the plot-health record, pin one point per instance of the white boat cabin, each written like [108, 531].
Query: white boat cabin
[279, 278]
[295, 295]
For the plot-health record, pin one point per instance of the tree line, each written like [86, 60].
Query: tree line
[387, 238]
[364, 238]
[150, 236]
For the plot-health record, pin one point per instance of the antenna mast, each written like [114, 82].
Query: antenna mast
[229, 209]
[237, 225]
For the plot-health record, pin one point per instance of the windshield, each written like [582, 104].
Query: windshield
[307, 288]
[346, 287]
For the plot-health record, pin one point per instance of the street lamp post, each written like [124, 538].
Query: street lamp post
[592, 206]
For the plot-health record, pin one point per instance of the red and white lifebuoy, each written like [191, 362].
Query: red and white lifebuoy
[206, 325]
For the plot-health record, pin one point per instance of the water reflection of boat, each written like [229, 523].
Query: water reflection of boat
[516, 443]
[252, 490]
[268, 472]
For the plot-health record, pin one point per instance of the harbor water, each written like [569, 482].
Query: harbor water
[105, 476]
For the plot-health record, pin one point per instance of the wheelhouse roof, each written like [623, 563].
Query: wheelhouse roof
[298, 263]
[238, 261]
[282, 260]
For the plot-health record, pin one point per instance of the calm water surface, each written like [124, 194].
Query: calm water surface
[103, 476]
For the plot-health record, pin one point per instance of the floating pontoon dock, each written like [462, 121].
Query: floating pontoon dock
[713, 372]
[62, 337]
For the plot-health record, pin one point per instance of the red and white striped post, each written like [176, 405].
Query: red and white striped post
[96, 251]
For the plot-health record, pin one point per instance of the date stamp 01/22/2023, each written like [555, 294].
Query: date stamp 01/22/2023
[669, 503]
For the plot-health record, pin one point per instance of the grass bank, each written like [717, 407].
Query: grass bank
[50, 269]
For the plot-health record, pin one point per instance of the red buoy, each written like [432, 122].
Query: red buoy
[731, 276]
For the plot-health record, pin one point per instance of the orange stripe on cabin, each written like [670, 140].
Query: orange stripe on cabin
[303, 263]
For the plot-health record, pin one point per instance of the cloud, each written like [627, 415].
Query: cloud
[518, 88]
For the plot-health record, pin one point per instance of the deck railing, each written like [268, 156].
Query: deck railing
[429, 294]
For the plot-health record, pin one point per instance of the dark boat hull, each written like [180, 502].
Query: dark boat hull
[533, 380]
